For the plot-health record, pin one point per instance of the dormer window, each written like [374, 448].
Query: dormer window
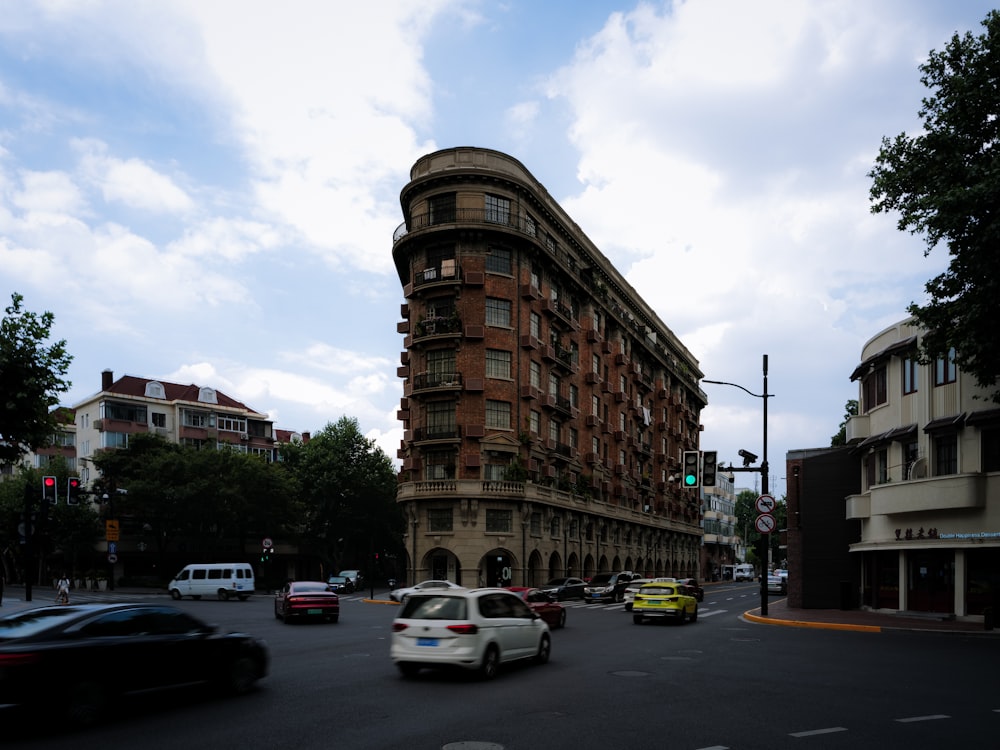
[155, 390]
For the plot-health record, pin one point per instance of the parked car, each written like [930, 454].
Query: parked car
[357, 580]
[670, 601]
[692, 583]
[561, 589]
[633, 586]
[552, 612]
[607, 587]
[341, 584]
[77, 661]
[776, 584]
[399, 595]
[474, 629]
[302, 600]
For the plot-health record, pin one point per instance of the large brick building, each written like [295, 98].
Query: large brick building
[546, 406]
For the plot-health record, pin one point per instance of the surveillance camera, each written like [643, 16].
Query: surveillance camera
[748, 457]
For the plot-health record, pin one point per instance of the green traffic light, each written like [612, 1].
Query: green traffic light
[690, 480]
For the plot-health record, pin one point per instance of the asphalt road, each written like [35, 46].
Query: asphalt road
[718, 683]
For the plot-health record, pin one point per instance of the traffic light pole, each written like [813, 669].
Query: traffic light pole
[763, 470]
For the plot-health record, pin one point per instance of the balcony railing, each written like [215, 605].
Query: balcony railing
[437, 380]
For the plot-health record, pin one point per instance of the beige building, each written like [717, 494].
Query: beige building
[722, 544]
[546, 406]
[929, 505]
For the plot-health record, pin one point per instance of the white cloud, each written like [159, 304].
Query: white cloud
[131, 181]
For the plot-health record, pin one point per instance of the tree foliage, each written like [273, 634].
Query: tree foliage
[850, 410]
[349, 493]
[31, 377]
[945, 184]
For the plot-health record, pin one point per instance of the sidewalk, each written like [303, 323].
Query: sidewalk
[779, 613]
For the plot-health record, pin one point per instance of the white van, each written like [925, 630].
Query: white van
[743, 572]
[223, 580]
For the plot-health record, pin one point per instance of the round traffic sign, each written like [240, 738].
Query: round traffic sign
[765, 523]
[765, 503]
[112, 558]
[267, 542]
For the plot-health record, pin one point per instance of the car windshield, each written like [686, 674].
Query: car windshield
[657, 591]
[338, 579]
[30, 622]
[300, 588]
[434, 608]
[599, 579]
[557, 582]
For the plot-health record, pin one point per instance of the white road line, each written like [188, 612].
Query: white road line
[930, 717]
[814, 732]
[710, 612]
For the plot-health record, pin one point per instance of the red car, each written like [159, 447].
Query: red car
[696, 590]
[552, 612]
[306, 599]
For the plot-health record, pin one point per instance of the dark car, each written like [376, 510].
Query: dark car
[77, 661]
[561, 589]
[541, 604]
[301, 600]
[692, 583]
[341, 584]
[607, 587]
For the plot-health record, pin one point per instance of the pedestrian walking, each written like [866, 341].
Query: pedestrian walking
[62, 590]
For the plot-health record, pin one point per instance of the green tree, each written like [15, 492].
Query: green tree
[31, 377]
[944, 183]
[349, 491]
[850, 410]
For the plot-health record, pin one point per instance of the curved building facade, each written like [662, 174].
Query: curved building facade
[929, 506]
[545, 405]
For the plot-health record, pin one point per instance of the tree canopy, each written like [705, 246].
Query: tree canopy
[945, 184]
[850, 410]
[31, 379]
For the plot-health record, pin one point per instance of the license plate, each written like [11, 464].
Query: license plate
[427, 641]
[314, 611]
[596, 596]
[654, 601]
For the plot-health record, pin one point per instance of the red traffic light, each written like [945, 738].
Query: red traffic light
[49, 489]
[73, 491]
[49, 482]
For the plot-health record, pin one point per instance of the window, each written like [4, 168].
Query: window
[194, 418]
[944, 369]
[440, 418]
[554, 526]
[439, 519]
[535, 423]
[497, 363]
[441, 361]
[232, 424]
[554, 430]
[535, 375]
[553, 384]
[497, 209]
[535, 325]
[497, 312]
[910, 370]
[126, 413]
[874, 390]
[530, 227]
[498, 260]
[114, 440]
[991, 449]
[498, 414]
[574, 396]
[499, 521]
[159, 420]
[945, 454]
[536, 524]
[439, 465]
[441, 209]
[595, 364]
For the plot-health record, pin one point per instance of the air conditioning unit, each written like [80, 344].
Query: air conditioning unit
[244, 436]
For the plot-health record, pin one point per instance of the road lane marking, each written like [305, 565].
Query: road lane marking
[814, 732]
[929, 717]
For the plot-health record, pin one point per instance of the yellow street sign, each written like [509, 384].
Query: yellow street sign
[111, 530]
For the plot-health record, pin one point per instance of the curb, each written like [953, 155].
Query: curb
[809, 624]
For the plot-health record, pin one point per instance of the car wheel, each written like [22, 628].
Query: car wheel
[684, 615]
[544, 650]
[175, 595]
[241, 675]
[223, 595]
[637, 619]
[562, 619]
[490, 664]
[86, 702]
[694, 615]
[406, 669]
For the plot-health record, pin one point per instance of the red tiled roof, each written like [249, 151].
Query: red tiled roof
[129, 385]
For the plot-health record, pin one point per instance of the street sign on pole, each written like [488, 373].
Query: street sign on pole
[765, 504]
[765, 523]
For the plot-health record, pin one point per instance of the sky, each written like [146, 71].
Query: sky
[206, 191]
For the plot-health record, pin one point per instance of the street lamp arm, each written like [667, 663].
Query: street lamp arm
[737, 385]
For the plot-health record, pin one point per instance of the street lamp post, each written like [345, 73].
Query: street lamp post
[763, 478]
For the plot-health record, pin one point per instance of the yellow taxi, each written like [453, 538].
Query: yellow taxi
[666, 601]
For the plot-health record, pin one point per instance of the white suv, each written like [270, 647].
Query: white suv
[477, 629]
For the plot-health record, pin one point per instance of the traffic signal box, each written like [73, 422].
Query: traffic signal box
[50, 491]
[690, 469]
[709, 464]
[73, 491]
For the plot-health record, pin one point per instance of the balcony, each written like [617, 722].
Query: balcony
[448, 272]
[947, 493]
[425, 381]
[437, 435]
[857, 428]
[438, 327]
